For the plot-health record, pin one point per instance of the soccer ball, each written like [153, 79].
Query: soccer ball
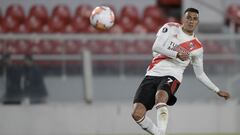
[102, 18]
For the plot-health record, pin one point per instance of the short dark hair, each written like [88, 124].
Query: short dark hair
[191, 10]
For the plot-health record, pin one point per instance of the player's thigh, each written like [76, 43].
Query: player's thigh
[166, 90]
[146, 92]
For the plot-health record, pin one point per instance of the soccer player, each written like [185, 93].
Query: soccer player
[174, 48]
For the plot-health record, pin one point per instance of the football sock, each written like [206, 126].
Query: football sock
[162, 117]
[147, 124]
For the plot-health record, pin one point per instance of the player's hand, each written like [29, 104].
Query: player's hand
[223, 94]
[183, 56]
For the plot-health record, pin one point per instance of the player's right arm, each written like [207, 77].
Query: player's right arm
[197, 62]
[160, 45]
[200, 74]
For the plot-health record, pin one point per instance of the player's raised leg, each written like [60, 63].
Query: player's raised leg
[139, 115]
[162, 111]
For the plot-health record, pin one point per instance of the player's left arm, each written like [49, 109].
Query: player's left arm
[197, 62]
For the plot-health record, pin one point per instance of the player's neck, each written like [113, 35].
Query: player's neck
[190, 33]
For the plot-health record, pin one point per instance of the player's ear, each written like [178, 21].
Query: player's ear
[198, 20]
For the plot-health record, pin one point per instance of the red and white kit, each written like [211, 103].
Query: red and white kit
[171, 40]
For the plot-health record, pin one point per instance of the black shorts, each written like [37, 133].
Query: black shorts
[146, 91]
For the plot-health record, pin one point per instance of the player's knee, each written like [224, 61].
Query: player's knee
[139, 111]
[137, 115]
[161, 96]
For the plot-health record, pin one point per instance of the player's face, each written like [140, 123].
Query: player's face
[190, 22]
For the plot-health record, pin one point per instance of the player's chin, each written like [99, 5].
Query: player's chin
[191, 29]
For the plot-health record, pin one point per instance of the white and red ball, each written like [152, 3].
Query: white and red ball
[102, 18]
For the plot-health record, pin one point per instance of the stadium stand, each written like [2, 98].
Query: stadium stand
[233, 16]
[39, 20]
[40, 12]
[16, 11]
[60, 19]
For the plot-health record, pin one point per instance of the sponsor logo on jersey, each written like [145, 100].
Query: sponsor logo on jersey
[172, 45]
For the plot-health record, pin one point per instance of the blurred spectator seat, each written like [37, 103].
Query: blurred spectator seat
[33, 24]
[11, 47]
[18, 46]
[233, 12]
[211, 47]
[22, 28]
[1, 28]
[56, 24]
[153, 18]
[80, 24]
[47, 47]
[73, 47]
[233, 15]
[91, 29]
[1, 47]
[150, 24]
[156, 13]
[116, 29]
[1, 19]
[140, 28]
[23, 46]
[16, 11]
[144, 47]
[1, 16]
[170, 2]
[131, 12]
[217, 47]
[9, 24]
[93, 46]
[69, 29]
[62, 12]
[138, 47]
[83, 11]
[105, 47]
[40, 12]
[100, 46]
[127, 24]
[45, 28]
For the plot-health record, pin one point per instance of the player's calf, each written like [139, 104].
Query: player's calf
[138, 111]
[162, 117]
[142, 120]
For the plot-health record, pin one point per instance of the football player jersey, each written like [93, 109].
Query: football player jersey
[171, 40]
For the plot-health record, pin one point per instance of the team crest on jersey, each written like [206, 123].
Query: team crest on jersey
[164, 30]
[191, 46]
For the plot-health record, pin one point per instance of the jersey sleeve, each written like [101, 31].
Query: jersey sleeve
[197, 62]
[160, 46]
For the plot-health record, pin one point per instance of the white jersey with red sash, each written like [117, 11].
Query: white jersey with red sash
[171, 40]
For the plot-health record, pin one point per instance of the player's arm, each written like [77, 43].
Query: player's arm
[197, 62]
[159, 46]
